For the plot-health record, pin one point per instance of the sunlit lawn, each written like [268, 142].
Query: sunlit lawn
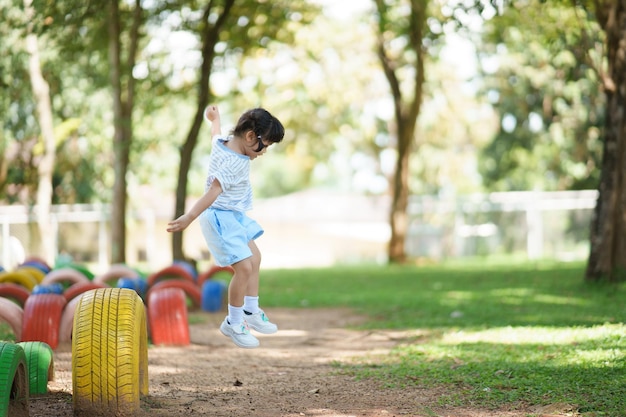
[492, 336]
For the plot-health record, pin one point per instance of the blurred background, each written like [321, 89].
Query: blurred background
[416, 131]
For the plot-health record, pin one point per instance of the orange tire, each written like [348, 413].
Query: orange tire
[15, 292]
[190, 288]
[42, 318]
[12, 314]
[172, 271]
[167, 317]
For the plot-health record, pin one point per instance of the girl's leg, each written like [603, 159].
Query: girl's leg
[253, 281]
[234, 325]
[254, 316]
[238, 288]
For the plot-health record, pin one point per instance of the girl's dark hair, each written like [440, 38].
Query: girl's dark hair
[262, 123]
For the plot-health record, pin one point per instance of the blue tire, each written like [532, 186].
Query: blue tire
[212, 295]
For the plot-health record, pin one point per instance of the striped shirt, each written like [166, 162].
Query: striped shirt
[232, 170]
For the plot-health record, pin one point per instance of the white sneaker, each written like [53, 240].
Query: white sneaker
[239, 333]
[259, 322]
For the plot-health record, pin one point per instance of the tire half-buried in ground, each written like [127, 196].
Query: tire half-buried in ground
[109, 353]
[13, 381]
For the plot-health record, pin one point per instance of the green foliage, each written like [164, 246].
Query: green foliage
[541, 63]
[500, 335]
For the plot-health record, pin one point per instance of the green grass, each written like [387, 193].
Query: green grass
[6, 334]
[492, 336]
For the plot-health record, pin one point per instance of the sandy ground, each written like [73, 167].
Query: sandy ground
[289, 375]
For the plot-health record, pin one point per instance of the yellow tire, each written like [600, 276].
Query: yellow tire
[109, 353]
[22, 278]
[33, 272]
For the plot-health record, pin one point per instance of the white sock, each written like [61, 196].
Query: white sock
[235, 314]
[251, 304]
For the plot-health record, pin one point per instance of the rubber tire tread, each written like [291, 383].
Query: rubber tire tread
[42, 318]
[40, 365]
[109, 352]
[12, 314]
[190, 288]
[13, 381]
[168, 318]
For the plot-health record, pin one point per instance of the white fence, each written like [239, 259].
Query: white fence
[538, 224]
[314, 228]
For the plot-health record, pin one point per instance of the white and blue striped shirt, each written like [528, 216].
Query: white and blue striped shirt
[232, 170]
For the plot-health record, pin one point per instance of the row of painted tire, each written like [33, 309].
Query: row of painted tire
[39, 303]
[109, 359]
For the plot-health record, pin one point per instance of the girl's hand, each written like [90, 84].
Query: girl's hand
[212, 113]
[179, 224]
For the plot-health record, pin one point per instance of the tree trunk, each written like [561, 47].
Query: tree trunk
[123, 98]
[398, 218]
[406, 110]
[120, 147]
[41, 92]
[607, 256]
[210, 36]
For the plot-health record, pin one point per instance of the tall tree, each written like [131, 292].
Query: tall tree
[41, 93]
[210, 35]
[405, 26]
[607, 255]
[123, 90]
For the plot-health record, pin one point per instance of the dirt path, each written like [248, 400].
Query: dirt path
[290, 375]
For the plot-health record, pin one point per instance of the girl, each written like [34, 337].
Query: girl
[228, 232]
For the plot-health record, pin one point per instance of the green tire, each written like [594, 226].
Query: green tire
[40, 363]
[13, 381]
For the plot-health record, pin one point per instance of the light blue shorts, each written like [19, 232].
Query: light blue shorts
[227, 234]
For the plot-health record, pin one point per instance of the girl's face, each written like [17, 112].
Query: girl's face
[255, 145]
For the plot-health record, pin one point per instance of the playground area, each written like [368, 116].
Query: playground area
[291, 374]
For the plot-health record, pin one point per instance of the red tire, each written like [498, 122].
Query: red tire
[190, 288]
[172, 271]
[42, 318]
[116, 271]
[77, 289]
[15, 292]
[64, 275]
[212, 271]
[67, 320]
[167, 316]
[12, 314]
